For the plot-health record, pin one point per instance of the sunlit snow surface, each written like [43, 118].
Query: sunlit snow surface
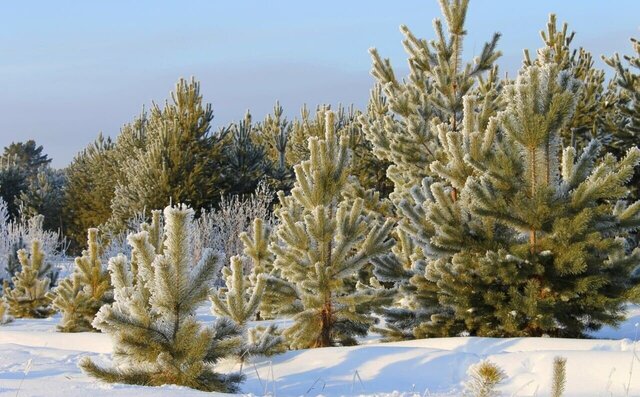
[436, 367]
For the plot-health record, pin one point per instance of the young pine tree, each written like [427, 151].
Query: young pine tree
[239, 301]
[484, 378]
[323, 239]
[80, 296]
[157, 338]
[5, 318]
[534, 243]
[28, 297]
[402, 116]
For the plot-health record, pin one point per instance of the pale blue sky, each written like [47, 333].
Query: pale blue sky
[69, 69]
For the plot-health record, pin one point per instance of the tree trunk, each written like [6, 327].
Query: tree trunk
[324, 339]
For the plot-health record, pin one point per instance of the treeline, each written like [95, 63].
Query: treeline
[170, 154]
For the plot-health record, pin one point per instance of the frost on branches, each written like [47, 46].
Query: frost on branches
[28, 297]
[80, 296]
[157, 338]
[323, 239]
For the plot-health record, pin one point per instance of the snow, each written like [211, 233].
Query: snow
[436, 367]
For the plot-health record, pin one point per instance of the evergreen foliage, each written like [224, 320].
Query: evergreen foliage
[534, 243]
[323, 239]
[274, 136]
[13, 181]
[245, 163]
[559, 382]
[89, 189]
[180, 160]
[5, 318]
[403, 115]
[80, 296]
[43, 196]
[592, 110]
[28, 296]
[27, 156]
[240, 301]
[157, 338]
[626, 121]
[484, 377]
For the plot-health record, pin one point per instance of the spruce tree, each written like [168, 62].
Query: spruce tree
[157, 338]
[28, 296]
[534, 243]
[323, 239]
[80, 296]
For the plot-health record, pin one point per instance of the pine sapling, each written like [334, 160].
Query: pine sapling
[323, 240]
[239, 302]
[28, 296]
[484, 378]
[5, 318]
[152, 320]
[80, 296]
[559, 376]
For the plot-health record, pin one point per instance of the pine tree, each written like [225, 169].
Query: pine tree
[158, 339]
[323, 240]
[240, 301]
[27, 155]
[484, 378]
[28, 296]
[243, 298]
[534, 243]
[43, 196]
[364, 165]
[5, 318]
[559, 381]
[274, 135]
[181, 160]
[13, 181]
[403, 115]
[626, 97]
[89, 189]
[245, 162]
[589, 120]
[80, 296]
[256, 248]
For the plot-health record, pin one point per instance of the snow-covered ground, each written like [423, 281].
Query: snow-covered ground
[429, 367]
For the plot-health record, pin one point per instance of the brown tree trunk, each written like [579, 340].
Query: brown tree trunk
[533, 241]
[324, 339]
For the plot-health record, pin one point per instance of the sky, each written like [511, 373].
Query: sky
[72, 69]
